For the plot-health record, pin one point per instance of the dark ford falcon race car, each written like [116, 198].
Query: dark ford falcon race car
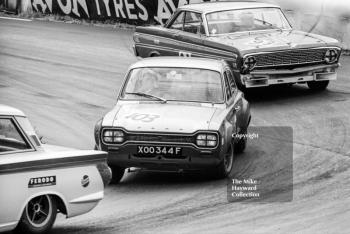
[255, 39]
[175, 114]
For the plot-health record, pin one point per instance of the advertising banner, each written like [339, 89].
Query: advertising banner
[128, 11]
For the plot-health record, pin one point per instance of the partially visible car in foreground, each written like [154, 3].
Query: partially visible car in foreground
[38, 180]
[255, 38]
[175, 114]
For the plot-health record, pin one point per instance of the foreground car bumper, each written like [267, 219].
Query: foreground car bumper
[299, 75]
[191, 159]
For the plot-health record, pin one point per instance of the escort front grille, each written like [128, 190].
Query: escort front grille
[290, 57]
[119, 137]
[159, 138]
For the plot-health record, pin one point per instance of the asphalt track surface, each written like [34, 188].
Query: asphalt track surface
[65, 77]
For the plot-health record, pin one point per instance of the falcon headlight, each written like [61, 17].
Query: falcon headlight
[249, 63]
[331, 56]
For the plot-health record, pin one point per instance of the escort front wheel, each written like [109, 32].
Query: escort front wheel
[117, 174]
[241, 143]
[225, 166]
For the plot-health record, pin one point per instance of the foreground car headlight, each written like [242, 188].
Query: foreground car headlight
[331, 56]
[206, 140]
[249, 63]
[113, 136]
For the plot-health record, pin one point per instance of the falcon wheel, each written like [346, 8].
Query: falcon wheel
[318, 85]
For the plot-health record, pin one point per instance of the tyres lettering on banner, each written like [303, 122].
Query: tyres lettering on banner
[129, 11]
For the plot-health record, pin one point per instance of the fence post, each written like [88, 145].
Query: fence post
[25, 7]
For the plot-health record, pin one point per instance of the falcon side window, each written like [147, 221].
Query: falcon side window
[193, 23]
[178, 22]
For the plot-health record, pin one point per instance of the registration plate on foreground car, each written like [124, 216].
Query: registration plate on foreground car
[160, 150]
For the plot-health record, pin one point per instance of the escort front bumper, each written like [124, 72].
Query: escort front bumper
[192, 158]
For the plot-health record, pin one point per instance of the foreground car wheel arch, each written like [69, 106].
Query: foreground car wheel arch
[38, 215]
[60, 201]
[61, 206]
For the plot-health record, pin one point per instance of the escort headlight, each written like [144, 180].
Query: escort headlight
[211, 140]
[201, 140]
[331, 56]
[206, 140]
[249, 63]
[113, 136]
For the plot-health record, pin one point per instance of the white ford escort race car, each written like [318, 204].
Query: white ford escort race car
[175, 114]
[38, 180]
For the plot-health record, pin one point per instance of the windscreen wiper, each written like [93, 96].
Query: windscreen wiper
[269, 24]
[264, 22]
[147, 96]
